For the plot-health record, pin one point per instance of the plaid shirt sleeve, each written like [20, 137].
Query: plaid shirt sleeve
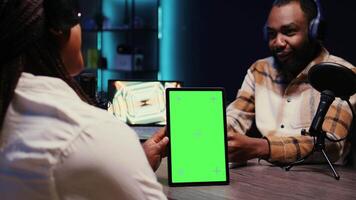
[337, 125]
[241, 112]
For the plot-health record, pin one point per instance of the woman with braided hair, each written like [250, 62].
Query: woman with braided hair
[53, 143]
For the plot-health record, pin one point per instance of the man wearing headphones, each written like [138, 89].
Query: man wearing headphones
[277, 97]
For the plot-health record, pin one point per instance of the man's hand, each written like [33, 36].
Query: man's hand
[242, 148]
[155, 148]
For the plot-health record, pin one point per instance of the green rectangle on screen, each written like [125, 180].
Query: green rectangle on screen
[197, 132]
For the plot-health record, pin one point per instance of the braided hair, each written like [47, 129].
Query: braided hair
[27, 44]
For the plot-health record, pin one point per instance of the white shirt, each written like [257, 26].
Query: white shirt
[55, 146]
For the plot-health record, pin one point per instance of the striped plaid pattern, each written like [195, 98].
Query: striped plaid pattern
[282, 110]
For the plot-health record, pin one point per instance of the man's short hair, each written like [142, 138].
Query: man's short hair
[309, 7]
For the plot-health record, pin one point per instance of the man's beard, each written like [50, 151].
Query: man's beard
[298, 62]
[292, 68]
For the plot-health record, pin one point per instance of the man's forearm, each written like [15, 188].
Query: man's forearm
[262, 148]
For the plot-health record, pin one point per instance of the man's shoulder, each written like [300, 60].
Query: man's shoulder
[339, 60]
[264, 64]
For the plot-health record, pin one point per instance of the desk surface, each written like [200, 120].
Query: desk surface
[265, 181]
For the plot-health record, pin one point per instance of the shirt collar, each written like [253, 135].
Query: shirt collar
[37, 84]
[322, 57]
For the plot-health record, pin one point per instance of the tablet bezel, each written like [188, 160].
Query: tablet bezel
[169, 165]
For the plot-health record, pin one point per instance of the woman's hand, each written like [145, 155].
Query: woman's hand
[155, 148]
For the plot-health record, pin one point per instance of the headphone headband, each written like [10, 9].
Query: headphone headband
[314, 24]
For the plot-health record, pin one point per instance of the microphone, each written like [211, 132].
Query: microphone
[334, 77]
[326, 98]
[330, 79]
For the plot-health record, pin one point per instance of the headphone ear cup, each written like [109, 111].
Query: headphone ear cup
[313, 29]
[265, 32]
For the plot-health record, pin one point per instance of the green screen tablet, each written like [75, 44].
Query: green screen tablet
[197, 153]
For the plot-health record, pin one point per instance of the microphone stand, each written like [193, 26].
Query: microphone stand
[319, 146]
[315, 130]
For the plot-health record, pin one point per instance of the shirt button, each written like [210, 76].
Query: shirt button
[289, 100]
[282, 126]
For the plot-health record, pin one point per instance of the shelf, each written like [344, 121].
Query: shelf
[153, 30]
[133, 71]
[107, 24]
[94, 70]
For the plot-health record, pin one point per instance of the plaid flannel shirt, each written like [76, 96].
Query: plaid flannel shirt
[281, 111]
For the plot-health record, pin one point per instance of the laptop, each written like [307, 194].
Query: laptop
[140, 104]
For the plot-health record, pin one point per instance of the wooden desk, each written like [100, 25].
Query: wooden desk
[265, 181]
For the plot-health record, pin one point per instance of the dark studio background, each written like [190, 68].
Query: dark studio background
[221, 39]
[217, 40]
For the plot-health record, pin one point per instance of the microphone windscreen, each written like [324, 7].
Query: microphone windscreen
[334, 77]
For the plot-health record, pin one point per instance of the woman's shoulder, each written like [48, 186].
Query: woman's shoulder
[49, 109]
